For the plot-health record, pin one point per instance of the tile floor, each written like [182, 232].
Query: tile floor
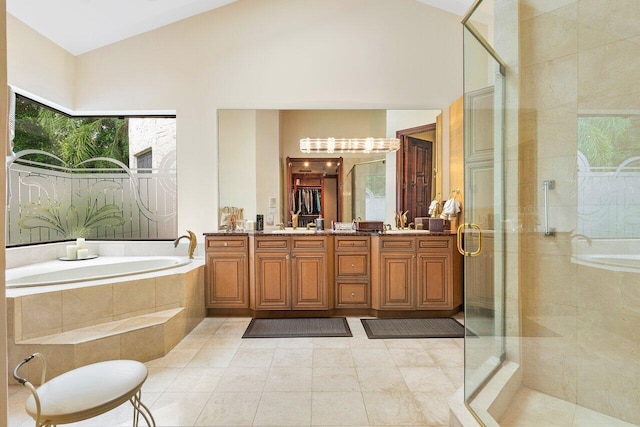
[215, 378]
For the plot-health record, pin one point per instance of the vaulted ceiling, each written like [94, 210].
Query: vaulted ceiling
[80, 26]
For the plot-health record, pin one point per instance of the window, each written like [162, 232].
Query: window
[144, 160]
[72, 176]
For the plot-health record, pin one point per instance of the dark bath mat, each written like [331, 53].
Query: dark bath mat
[444, 327]
[298, 328]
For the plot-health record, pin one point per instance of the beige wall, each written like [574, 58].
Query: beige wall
[278, 54]
[39, 66]
[580, 336]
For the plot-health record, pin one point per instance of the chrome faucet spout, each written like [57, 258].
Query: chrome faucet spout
[193, 242]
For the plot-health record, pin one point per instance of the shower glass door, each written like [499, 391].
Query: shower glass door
[482, 236]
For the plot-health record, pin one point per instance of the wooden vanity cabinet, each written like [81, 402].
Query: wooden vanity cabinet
[290, 273]
[352, 267]
[226, 272]
[416, 273]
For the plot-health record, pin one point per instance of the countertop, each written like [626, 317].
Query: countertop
[221, 233]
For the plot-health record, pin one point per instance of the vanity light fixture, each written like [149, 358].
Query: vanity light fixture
[349, 145]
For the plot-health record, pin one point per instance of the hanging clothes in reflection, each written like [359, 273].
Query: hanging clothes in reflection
[307, 201]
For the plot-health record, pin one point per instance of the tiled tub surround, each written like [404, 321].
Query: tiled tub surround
[139, 317]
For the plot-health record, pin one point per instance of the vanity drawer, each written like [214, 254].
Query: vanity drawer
[309, 243]
[353, 265]
[435, 244]
[352, 244]
[397, 244]
[352, 294]
[226, 243]
[276, 243]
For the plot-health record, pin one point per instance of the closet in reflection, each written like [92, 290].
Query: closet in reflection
[314, 189]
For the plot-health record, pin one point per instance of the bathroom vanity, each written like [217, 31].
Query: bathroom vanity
[272, 274]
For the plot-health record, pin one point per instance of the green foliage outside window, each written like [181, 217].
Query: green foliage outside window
[608, 141]
[73, 139]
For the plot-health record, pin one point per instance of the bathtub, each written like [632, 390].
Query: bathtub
[59, 272]
[614, 262]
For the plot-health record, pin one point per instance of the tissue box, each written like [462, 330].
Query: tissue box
[436, 225]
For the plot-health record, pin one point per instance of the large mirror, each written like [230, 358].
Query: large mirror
[254, 146]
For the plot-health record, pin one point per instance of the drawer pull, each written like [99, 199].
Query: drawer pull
[226, 244]
[353, 294]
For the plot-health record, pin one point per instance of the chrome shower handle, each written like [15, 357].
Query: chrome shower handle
[546, 186]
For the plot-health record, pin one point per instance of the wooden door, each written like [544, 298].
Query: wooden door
[227, 285]
[397, 280]
[418, 169]
[273, 291]
[414, 171]
[309, 284]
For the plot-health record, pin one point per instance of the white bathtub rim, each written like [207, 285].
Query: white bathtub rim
[611, 262]
[193, 264]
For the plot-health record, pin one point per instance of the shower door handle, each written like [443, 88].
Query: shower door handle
[459, 233]
[546, 186]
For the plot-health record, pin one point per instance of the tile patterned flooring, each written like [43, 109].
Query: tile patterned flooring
[215, 378]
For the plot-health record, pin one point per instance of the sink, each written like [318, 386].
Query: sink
[406, 232]
[289, 230]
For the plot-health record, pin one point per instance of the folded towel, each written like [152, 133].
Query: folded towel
[433, 208]
[450, 209]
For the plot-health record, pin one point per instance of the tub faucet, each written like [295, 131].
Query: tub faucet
[192, 242]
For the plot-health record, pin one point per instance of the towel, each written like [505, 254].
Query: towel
[433, 208]
[450, 209]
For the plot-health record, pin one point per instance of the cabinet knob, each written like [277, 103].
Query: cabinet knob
[226, 244]
[353, 266]
[353, 294]
[286, 257]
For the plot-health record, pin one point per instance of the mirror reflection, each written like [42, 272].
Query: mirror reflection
[371, 186]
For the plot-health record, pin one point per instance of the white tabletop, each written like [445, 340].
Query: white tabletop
[88, 391]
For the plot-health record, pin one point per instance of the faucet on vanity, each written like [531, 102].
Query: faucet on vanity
[193, 242]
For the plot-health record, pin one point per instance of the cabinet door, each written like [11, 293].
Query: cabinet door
[434, 287]
[309, 281]
[272, 281]
[396, 280]
[227, 285]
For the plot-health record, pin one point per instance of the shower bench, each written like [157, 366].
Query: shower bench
[86, 392]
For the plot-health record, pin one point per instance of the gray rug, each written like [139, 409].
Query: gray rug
[298, 328]
[444, 327]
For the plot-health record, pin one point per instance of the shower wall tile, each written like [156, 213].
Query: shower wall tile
[550, 36]
[609, 77]
[630, 293]
[549, 348]
[607, 368]
[554, 279]
[556, 132]
[86, 306]
[599, 25]
[531, 8]
[550, 84]
[599, 289]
